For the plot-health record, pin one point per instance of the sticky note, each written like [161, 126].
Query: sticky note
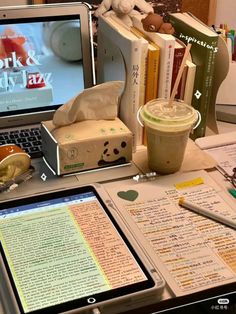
[188, 184]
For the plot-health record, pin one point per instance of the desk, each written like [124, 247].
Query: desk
[167, 301]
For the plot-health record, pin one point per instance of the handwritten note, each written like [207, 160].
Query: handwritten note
[191, 251]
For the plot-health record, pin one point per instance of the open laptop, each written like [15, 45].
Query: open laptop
[46, 58]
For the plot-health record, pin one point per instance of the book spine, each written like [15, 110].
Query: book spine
[131, 98]
[166, 68]
[142, 87]
[190, 78]
[203, 53]
[152, 79]
[178, 57]
[152, 74]
[183, 83]
[203, 103]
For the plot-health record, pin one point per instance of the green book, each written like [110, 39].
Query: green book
[203, 51]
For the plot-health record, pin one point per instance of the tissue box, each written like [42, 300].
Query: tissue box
[86, 145]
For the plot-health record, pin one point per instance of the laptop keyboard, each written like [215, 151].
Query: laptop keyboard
[28, 139]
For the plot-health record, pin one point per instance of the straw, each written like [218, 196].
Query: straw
[178, 78]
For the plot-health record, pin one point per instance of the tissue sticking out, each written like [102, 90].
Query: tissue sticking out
[95, 103]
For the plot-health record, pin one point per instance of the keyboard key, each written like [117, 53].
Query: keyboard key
[28, 144]
[37, 143]
[2, 138]
[34, 149]
[12, 136]
[11, 142]
[21, 140]
[2, 142]
[14, 132]
[31, 138]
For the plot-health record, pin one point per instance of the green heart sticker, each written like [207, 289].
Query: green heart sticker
[129, 195]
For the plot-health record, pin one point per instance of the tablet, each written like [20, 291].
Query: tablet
[65, 251]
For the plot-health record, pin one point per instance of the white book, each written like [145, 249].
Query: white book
[188, 91]
[167, 46]
[222, 147]
[121, 56]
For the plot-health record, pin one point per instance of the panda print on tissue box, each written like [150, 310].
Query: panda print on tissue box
[86, 145]
[113, 154]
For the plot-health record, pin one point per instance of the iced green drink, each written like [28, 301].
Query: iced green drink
[167, 130]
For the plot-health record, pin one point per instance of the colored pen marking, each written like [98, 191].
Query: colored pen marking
[188, 184]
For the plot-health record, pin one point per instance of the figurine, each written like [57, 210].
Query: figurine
[123, 9]
[154, 23]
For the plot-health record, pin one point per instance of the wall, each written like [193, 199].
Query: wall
[226, 13]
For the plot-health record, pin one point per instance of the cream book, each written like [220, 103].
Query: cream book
[151, 72]
[122, 56]
[189, 84]
[167, 47]
[152, 67]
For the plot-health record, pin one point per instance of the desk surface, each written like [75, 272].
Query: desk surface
[73, 181]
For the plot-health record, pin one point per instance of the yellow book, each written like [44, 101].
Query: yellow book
[152, 72]
[152, 67]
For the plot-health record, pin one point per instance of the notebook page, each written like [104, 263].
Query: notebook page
[192, 252]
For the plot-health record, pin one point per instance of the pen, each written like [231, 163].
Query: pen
[232, 192]
[206, 212]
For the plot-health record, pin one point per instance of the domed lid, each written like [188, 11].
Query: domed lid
[158, 111]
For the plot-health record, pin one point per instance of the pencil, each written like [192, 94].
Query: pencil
[207, 213]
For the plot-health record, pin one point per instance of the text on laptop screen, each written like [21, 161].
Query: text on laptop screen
[41, 64]
[65, 249]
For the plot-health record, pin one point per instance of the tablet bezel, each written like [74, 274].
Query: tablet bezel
[114, 294]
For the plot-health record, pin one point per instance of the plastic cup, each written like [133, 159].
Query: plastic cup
[167, 129]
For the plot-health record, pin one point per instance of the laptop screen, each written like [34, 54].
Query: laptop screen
[41, 64]
[42, 60]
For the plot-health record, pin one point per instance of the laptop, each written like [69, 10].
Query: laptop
[46, 58]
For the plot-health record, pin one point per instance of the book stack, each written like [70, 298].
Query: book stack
[149, 62]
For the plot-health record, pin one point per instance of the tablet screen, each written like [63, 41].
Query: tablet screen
[65, 250]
